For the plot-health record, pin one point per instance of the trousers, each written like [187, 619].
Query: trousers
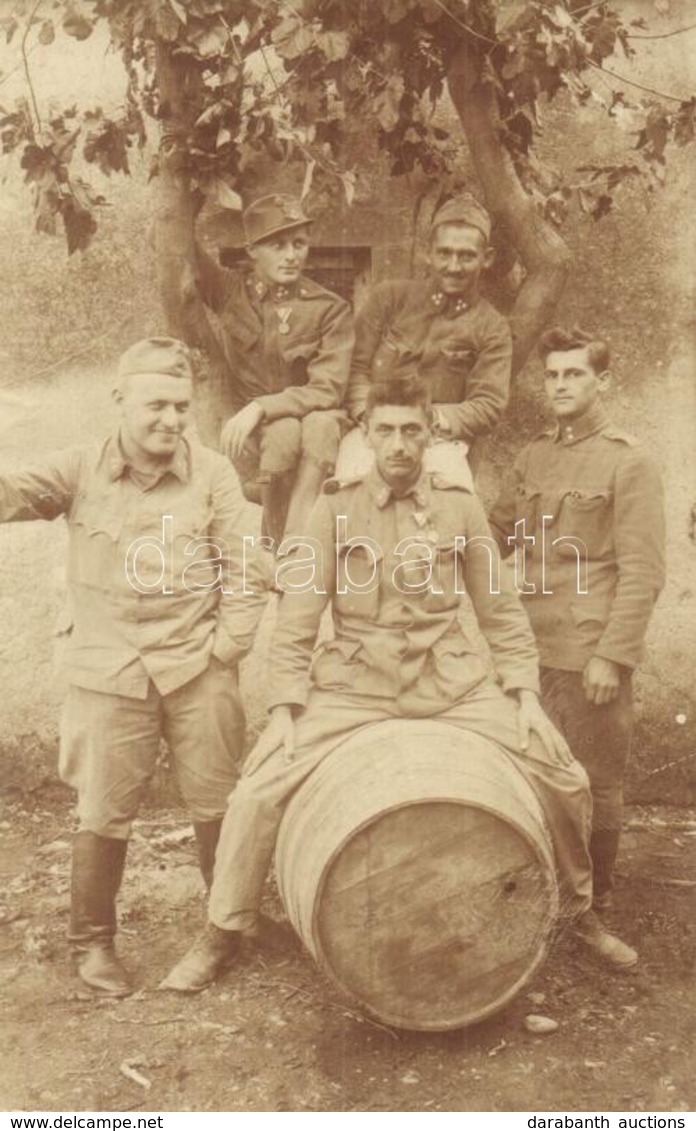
[256, 806]
[109, 745]
[600, 737]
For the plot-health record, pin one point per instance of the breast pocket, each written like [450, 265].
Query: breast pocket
[95, 530]
[585, 522]
[455, 362]
[336, 664]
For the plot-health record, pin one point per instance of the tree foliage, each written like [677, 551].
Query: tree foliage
[302, 81]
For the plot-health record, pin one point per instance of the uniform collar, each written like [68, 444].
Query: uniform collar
[275, 292]
[450, 306]
[117, 462]
[594, 420]
[381, 493]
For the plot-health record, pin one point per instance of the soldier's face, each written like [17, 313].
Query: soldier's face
[571, 383]
[457, 257]
[398, 435]
[281, 258]
[155, 409]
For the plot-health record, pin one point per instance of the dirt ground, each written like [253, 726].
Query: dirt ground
[275, 1035]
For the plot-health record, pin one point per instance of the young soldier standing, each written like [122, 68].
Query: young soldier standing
[586, 504]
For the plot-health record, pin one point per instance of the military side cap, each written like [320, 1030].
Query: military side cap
[271, 214]
[156, 355]
[464, 209]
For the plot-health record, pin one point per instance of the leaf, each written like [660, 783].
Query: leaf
[179, 9]
[292, 37]
[77, 24]
[47, 33]
[333, 44]
[224, 195]
[9, 25]
[386, 105]
[396, 10]
[307, 182]
[167, 23]
[209, 41]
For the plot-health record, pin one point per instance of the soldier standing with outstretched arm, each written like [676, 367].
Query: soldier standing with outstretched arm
[164, 600]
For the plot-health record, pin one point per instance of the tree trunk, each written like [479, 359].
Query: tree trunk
[175, 248]
[544, 254]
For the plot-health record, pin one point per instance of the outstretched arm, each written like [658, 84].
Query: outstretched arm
[40, 491]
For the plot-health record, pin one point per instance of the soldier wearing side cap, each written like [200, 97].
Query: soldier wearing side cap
[288, 342]
[584, 504]
[156, 627]
[441, 329]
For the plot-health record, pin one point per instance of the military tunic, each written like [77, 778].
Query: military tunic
[288, 349]
[586, 505]
[157, 622]
[461, 347]
[395, 570]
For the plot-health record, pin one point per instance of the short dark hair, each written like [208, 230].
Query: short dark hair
[561, 339]
[409, 392]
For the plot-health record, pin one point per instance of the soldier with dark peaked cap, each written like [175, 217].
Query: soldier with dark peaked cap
[288, 342]
[441, 329]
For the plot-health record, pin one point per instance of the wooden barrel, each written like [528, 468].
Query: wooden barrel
[416, 866]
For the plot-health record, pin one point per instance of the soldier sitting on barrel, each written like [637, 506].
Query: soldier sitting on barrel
[399, 650]
[288, 343]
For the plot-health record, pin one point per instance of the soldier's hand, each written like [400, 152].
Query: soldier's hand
[601, 680]
[238, 429]
[532, 717]
[278, 735]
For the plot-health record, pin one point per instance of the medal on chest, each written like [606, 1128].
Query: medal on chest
[283, 313]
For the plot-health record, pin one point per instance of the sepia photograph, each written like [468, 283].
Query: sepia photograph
[348, 544]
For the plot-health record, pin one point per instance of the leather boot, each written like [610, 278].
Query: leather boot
[97, 870]
[592, 932]
[207, 836]
[604, 848]
[213, 950]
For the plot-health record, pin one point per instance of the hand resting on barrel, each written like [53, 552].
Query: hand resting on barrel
[279, 734]
[532, 717]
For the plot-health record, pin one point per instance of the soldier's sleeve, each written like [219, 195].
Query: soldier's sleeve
[212, 280]
[487, 387]
[639, 539]
[306, 595]
[44, 490]
[370, 323]
[245, 568]
[327, 371]
[497, 605]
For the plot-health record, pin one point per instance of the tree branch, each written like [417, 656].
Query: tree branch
[25, 62]
[543, 252]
